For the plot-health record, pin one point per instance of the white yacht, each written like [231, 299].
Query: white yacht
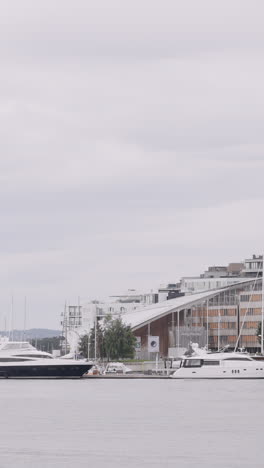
[19, 359]
[219, 365]
[20, 351]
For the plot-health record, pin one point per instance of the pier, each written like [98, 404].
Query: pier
[126, 376]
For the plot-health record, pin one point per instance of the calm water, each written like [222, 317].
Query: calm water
[132, 423]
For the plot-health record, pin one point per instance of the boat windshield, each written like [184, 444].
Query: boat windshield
[16, 345]
[39, 355]
[200, 362]
[192, 363]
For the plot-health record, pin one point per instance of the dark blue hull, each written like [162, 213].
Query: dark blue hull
[48, 371]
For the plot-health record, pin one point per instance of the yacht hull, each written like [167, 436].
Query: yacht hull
[217, 378]
[219, 365]
[223, 372]
[49, 371]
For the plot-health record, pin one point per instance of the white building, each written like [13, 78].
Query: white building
[253, 266]
[81, 318]
[195, 284]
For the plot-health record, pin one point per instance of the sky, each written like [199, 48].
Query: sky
[131, 146]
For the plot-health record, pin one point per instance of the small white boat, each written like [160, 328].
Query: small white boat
[116, 368]
[219, 365]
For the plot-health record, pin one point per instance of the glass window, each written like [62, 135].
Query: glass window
[192, 363]
[14, 359]
[210, 363]
[41, 356]
[245, 298]
[238, 359]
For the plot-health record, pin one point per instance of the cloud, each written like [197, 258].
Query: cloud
[131, 145]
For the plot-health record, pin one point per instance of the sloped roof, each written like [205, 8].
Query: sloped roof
[148, 314]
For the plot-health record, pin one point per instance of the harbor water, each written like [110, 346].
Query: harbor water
[131, 423]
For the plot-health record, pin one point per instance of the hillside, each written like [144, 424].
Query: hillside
[32, 333]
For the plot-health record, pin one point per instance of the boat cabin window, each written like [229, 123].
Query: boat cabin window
[192, 363]
[13, 359]
[41, 356]
[14, 345]
[210, 362]
[238, 359]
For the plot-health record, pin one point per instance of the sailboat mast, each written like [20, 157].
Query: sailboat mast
[207, 330]
[25, 318]
[262, 309]
[12, 317]
[66, 325]
[218, 331]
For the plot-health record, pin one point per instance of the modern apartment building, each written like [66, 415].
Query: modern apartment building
[190, 285]
[253, 266]
[229, 318]
[221, 276]
[81, 318]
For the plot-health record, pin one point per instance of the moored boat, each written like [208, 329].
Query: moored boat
[219, 365]
[22, 360]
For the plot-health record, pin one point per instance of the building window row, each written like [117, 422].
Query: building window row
[253, 325]
[213, 340]
[222, 325]
[249, 339]
[251, 311]
[250, 298]
[222, 312]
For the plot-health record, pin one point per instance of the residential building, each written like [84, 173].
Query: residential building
[253, 266]
[216, 318]
[81, 318]
[229, 316]
[169, 291]
[193, 284]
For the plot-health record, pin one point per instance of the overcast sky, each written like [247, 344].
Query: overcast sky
[132, 143]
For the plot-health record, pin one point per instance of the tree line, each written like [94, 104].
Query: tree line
[47, 344]
[114, 340]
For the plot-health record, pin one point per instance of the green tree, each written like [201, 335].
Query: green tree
[48, 344]
[258, 332]
[83, 347]
[119, 341]
[114, 340]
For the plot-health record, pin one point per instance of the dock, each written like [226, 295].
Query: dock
[126, 376]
